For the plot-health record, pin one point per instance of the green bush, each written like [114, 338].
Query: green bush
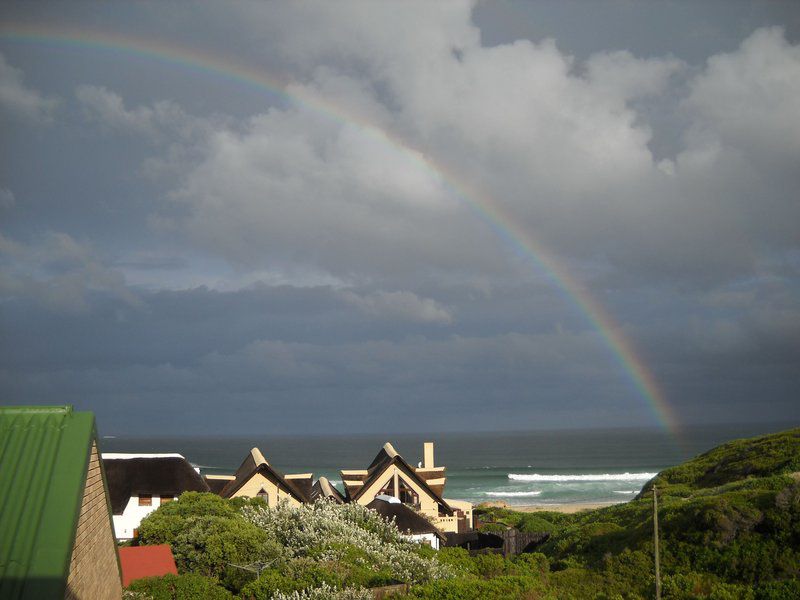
[491, 565]
[778, 590]
[459, 560]
[498, 588]
[533, 523]
[177, 587]
[208, 536]
[534, 563]
[296, 575]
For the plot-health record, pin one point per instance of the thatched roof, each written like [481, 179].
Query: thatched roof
[157, 475]
[324, 489]
[254, 462]
[217, 484]
[407, 521]
[387, 457]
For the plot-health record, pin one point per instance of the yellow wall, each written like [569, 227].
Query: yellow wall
[274, 494]
[464, 506]
[428, 504]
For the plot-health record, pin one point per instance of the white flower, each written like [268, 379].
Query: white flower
[326, 531]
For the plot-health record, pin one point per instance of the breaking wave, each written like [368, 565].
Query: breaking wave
[504, 494]
[595, 477]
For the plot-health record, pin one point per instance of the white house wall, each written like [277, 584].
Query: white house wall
[429, 538]
[132, 516]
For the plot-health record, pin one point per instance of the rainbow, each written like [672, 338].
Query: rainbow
[481, 204]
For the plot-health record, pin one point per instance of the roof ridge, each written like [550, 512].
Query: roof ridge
[258, 458]
[66, 409]
[390, 450]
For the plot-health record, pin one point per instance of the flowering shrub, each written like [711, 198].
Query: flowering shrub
[349, 535]
[325, 592]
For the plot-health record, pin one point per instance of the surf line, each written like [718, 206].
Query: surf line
[481, 204]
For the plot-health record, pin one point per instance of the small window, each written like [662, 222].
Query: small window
[165, 499]
[145, 500]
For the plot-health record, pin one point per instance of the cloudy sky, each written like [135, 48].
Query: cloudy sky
[307, 217]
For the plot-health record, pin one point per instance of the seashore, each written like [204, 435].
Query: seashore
[565, 508]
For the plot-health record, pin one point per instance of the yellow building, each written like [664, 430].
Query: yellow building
[256, 478]
[420, 488]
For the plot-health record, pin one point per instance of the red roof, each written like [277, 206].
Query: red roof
[146, 561]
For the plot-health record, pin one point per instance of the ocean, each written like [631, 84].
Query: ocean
[520, 468]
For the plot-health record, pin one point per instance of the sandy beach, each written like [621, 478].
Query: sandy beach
[569, 508]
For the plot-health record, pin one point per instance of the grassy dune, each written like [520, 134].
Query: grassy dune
[729, 524]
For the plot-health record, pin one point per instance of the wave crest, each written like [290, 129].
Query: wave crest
[504, 494]
[595, 477]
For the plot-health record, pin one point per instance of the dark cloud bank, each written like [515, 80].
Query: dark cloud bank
[178, 249]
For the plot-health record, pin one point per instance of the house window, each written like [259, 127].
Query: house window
[145, 500]
[407, 495]
[165, 499]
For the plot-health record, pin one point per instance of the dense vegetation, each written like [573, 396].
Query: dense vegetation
[321, 550]
[729, 525]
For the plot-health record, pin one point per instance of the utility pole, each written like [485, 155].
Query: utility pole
[655, 541]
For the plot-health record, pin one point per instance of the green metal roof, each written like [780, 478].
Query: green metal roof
[44, 457]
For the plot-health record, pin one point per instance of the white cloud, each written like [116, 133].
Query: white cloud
[559, 147]
[402, 305]
[20, 100]
[626, 77]
[296, 185]
[299, 187]
[748, 98]
[163, 120]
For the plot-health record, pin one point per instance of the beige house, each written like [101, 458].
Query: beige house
[256, 478]
[324, 489]
[420, 488]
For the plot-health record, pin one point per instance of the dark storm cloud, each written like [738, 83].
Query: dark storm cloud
[173, 240]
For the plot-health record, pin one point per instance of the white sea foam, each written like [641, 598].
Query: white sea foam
[625, 492]
[504, 494]
[595, 477]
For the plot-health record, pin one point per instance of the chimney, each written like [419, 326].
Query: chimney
[428, 455]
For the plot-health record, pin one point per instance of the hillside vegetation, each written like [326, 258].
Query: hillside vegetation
[729, 525]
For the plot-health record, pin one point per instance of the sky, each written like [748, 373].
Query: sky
[310, 217]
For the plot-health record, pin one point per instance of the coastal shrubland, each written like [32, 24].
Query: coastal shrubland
[729, 526]
[287, 552]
